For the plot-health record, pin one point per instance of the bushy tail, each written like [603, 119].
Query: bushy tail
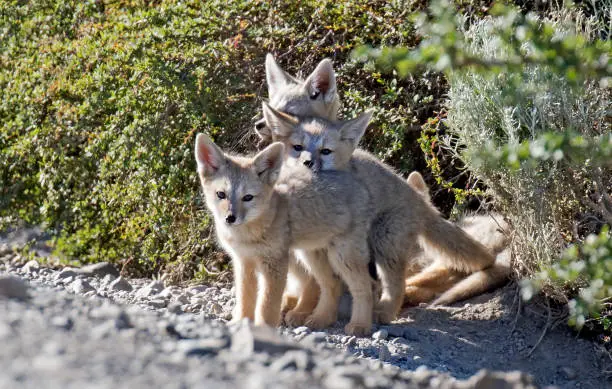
[479, 282]
[458, 250]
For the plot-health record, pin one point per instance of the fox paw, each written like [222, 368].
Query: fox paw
[296, 319]
[319, 321]
[289, 302]
[358, 329]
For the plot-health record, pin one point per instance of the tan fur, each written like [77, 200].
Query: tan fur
[400, 215]
[450, 285]
[288, 210]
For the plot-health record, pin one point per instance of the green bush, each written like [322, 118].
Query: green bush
[100, 101]
[528, 115]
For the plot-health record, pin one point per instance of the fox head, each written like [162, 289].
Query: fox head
[316, 96]
[314, 142]
[237, 189]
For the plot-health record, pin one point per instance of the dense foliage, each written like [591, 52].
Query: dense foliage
[528, 115]
[100, 101]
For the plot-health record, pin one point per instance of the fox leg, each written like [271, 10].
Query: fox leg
[350, 259]
[246, 290]
[308, 290]
[326, 310]
[269, 299]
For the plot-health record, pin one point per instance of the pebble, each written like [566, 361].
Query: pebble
[121, 283]
[79, 286]
[13, 287]
[384, 354]
[65, 273]
[152, 288]
[31, 266]
[381, 334]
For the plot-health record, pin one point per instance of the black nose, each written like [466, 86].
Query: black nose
[230, 219]
[260, 124]
[308, 164]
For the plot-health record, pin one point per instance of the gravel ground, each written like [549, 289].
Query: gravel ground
[76, 328]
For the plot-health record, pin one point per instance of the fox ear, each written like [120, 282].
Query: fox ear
[276, 77]
[415, 181]
[352, 130]
[208, 155]
[281, 125]
[322, 82]
[268, 162]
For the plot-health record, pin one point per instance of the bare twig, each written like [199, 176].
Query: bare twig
[546, 327]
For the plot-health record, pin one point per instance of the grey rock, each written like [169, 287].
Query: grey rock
[381, 334]
[81, 286]
[384, 354]
[198, 347]
[301, 330]
[175, 308]
[100, 270]
[13, 287]
[31, 267]
[395, 331]
[108, 279]
[5, 249]
[215, 308]
[293, 360]
[314, 338]
[65, 273]
[345, 377]
[154, 287]
[121, 284]
[157, 303]
[249, 339]
[182, 299]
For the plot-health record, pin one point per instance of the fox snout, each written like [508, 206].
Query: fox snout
[230, 218]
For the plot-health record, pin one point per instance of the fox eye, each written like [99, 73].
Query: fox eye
[314, 95]
[326, 151]
[247, 197]
[298, 147]
[221, 195]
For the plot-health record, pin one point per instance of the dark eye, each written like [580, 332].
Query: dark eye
[326, 151]
[298, 147]
[314, 95]
[221, 195]
[247, 197]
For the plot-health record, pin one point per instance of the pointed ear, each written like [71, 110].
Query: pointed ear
[280, 124]
[276, 77]
[415, 181]
[208, 155]
[268, 162]
[352, 130]
[322, 82]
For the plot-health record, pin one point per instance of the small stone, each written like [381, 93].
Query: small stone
[62, 322]
[121, 284]
[351, 341]
[31, 267]
[515, 379]
[152, 288]
[395, 331]
[13, 287]
[5, 249]
[249, 339]
[293, 360]
[108, 279]
[157, 303]
[175, 308]
[301, 330]
[166, 293]
[215, 308]
[416, 358]
[182, 299]
[199, 347]
[381, 334]
[314, 338]
[100, 270]
[65, 273]
[569, 373]
[81, 287]
[345, 377]
[384, 354]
